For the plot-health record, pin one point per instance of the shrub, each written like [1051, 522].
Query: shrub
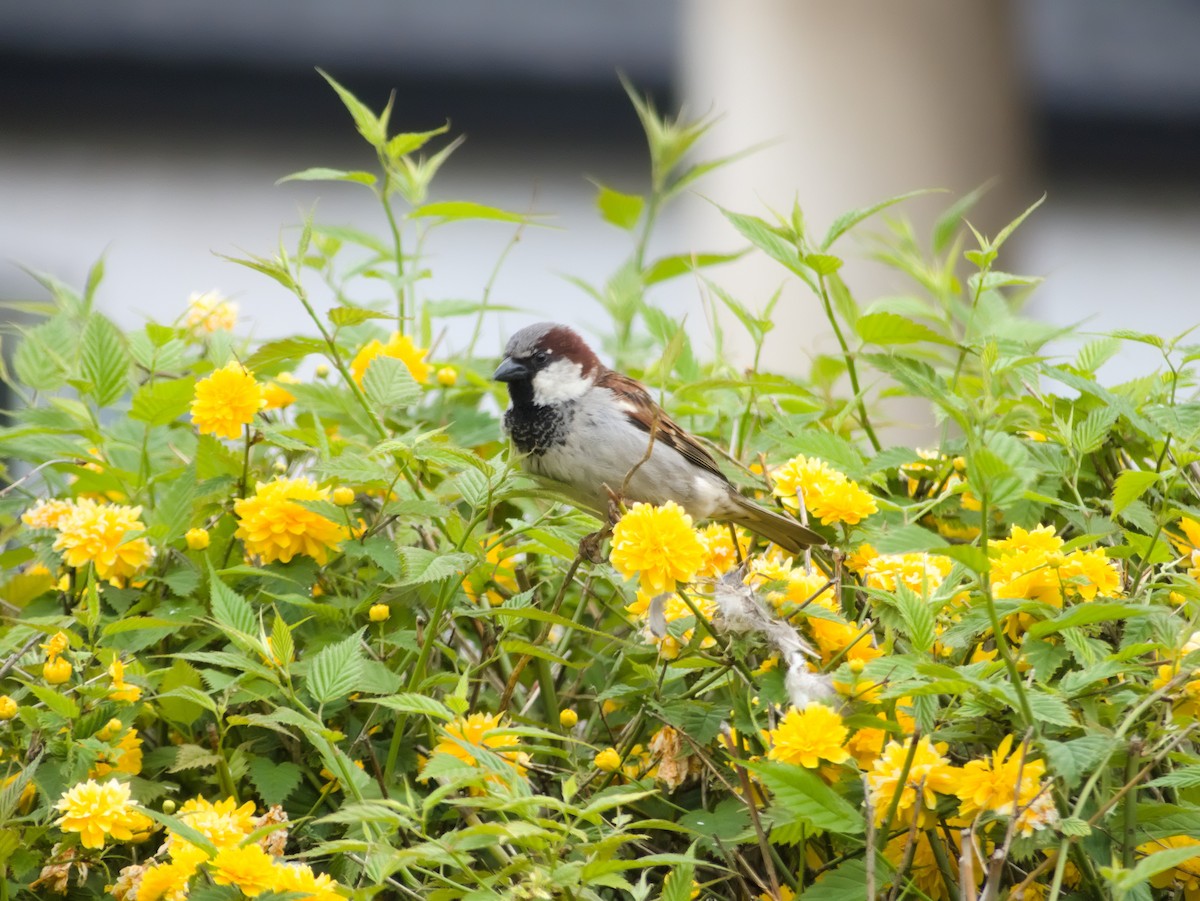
[275, 628]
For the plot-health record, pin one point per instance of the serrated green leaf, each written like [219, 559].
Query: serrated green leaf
[320, 173]
[669, 267]
[162, 401]
[373, 128]
[890, 328]
[274, 780]
[343, 316]
[286, 350]
[388, 383]
[180, 699]
[62, 704]
[334, 672]
[800, 794]
[104, 360]
[1085, 614]
[407, 702]
[1129, 486]
[848, 220]
[621, 210]
[229, 609]
[917, 616]
[455, 210]
[421, 565]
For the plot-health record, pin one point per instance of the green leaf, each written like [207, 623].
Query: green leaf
[848, 882]
[949, 221]
[370, 126]
[848, 220]
[669, 267]
[162, 401]
[622, 210]
[274, 780]
[773, 244]
[388, 383]
[1152, 865]
[823, 263]
[104, 360]
[173, 699]
[319, 173]
[454, 210]
[406, 142]
[917, 615]
[1089, 434]
[229, 609]
[64, 705]
[407, 702]
[286, 350]
[421, 565]
[1130, 485]
[1084, 614]
[343, 316]
[800, 794]
[891, 328]
[335, 670]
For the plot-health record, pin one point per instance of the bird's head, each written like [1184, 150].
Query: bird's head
[547, 364]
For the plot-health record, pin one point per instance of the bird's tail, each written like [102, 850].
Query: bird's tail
[775, 527]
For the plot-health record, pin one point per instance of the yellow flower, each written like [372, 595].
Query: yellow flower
[56, 670]
[1183, 877]
[401, 347]
[720, 556]
[567, 718]
[125, 757]
[785, 894]
[446, 376]
[481, 730]
[343, 496]
[97, 533]
[57, 645]
[659, 545]
[250, 868]
[608, 760]
[922, 573]
[223, 823]
[857, 561]
[226, 401]
[122, 690]
[929, 773]
[99, 810]
[866, 745]
[277, 397]
[197, 539]
[806, 737]
[301, 879]
[827, 493]
[47, 514]
[675, 608]
[274, 526]
[209, 312]
[1089, 573]
[164, 882]
[379, 613]
[990, 783]
[8, 708]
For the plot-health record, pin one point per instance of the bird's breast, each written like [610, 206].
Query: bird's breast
[537, 429]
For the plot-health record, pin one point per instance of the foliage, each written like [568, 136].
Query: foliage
[324, 616]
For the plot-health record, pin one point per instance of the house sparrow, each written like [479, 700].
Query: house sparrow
[595, 431]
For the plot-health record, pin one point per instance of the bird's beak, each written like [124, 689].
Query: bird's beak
[510, 370]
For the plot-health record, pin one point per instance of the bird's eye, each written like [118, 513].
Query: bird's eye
[540, 357]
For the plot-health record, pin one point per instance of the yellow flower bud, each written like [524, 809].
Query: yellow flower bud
[56, 671]
[280, 465]
[197, 539]
[610, 706]
[607, 760]
[568, 718]
[8, 707]
[322, 370]
[111, 729]
[856, 665]
[343, 496]
[379, 613]
[168, 807]
[446, 376]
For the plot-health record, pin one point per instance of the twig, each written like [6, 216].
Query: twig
[748, 792]
[12, 661]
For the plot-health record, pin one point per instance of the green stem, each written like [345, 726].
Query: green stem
[397, 248]
[851, 369]
[1002, 645]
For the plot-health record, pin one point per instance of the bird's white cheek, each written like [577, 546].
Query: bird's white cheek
[559, 382]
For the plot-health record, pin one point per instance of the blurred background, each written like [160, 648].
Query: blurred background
[152, 132]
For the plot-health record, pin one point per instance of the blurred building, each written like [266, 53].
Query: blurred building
[153, 132]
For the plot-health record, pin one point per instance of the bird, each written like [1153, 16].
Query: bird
[597, 433]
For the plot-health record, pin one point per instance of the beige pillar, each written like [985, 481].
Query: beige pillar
[867, 98]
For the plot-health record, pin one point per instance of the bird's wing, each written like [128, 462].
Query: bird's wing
[648, 416]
